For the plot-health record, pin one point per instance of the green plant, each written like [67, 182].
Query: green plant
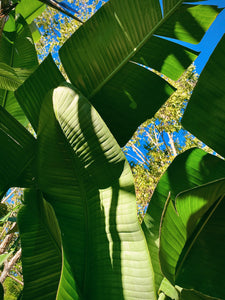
[80, 235]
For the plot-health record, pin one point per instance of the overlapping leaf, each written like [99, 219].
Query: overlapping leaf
[192, 241]
[31, 94]
[97, 58]
[84, 175]
[17, 50]
[190, 169]
[16, 152]
[205, 114]
[12, 78]
[41, 247]
[30, 9]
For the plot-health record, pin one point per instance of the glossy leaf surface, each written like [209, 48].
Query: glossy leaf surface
[30, 9]
[41, 247]
[98, 57]
[86, 178]
[192, 239]
[12, 78]
[190, 169]
[208, 99]
[31, 94]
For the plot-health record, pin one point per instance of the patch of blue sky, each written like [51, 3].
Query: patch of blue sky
[211, 38]
[205, 47]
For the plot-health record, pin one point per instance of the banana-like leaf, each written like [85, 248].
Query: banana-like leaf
[102, 57]
[192, 240]
[190, 169]
[87, 180]
[30, 95]
[205, 114]
[12, 78]
[30, 9]
[17, 50]
[16, 152]
[41, 247]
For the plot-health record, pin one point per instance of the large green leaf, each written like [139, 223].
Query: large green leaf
[192, 240]
[86, 178]
[190, 169]
[102, 57]
[17, 50]
[12, 78]
[16, 152]
[205, 114]
[30, 9]
[30, 95]
[41, 247]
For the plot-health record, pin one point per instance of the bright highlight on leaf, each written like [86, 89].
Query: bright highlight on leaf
[79, 230]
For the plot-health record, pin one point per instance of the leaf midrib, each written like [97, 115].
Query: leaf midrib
[124, 61]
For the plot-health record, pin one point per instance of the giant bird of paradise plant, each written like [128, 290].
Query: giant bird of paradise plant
[79, 230]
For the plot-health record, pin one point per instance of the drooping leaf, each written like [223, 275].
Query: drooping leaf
[192, 240]
[41, 247]
[190, 169]
[86, 178]
[205, 114]
[102, 57]
[16, 151]
[17, 50]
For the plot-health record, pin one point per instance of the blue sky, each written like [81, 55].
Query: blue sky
[206, 46]
[211, 39]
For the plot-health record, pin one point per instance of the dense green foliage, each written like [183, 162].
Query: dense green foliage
[79, 230]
